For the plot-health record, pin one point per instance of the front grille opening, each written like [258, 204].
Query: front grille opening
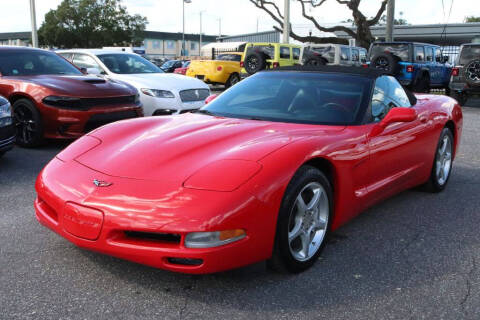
[153, 236]
[98, 120]
[192, 95]
[164, 112]
[185, 261]
[48, 210]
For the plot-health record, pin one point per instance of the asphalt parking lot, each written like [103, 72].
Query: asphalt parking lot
[415, 256]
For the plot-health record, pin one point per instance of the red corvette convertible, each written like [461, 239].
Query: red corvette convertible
[51, 98]
[263, 172]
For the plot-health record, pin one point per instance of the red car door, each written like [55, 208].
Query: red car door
[399, 155]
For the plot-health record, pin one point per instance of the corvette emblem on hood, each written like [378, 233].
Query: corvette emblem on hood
[100, 183]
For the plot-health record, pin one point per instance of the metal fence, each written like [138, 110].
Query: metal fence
[216, 51]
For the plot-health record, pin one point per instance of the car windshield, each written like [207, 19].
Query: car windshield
[298, 97]
[122, 63]
[469, 53]
[34, 62]
[401, 50]
[229, 57]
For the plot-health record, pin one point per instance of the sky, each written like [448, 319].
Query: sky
[241, 16]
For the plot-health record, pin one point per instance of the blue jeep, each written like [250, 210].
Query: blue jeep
[418, 66]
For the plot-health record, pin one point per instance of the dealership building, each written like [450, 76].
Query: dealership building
[156, 44]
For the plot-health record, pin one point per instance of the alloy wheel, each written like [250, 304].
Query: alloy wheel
[25, 124]
[444, 160]
[308, 221]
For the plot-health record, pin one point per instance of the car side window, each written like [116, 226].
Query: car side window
[387, 94]
[296, 53]
[363, 56]
[84, 61]
[284, 53]
[438, 55]
[429, 54]
[67, 55]
[419, 53]
[344, 53]
[355, 55]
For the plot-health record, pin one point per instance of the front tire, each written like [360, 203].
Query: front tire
[442, 163]
[303, 222]
[28, 122]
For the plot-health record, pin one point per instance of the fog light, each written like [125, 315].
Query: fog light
[213, 239]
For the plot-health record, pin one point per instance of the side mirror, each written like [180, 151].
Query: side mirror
[395, 115]
[210, 98]
[84, 70]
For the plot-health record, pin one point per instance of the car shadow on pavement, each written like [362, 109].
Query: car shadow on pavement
[405, 242]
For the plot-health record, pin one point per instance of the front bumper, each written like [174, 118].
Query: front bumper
[7, 138]
[70, 124]
[62, 184]
[168, 106]
[463, 87]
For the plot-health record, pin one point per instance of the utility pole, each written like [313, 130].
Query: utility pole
[183, 33]
[33, 19]
[257, 24]
[219, 27]
[390, 20]
[200, 46]
[286, 21]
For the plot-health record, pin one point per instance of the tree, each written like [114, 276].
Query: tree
[472, 19]
[362, 24]
[91, 23]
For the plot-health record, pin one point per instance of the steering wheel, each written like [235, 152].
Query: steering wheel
[336, 106]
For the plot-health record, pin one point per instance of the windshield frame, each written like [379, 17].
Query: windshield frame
[135, 56]
[360, 113]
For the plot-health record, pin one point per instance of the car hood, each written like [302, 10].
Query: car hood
[161, 81]
[173, 148]
[80, 86]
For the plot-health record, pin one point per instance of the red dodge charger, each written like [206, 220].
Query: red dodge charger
[263, 172]
[51, 98]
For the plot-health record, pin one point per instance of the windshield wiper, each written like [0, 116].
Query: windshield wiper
[207, 112]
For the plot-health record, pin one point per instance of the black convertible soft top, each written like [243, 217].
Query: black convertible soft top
[367, 72]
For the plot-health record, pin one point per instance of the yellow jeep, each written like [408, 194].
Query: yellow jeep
[225, 69]
[260, 56]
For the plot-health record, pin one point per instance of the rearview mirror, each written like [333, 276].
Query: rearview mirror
[395, 115]
[210, 98]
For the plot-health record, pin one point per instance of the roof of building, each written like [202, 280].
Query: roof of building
[178, 36]
[15, 35]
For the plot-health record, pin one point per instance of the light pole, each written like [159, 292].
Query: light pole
[200, 44]
[286, 22]
[183, 33]
[390, 20]
[34, 24]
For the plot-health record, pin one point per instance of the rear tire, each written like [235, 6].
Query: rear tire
[28, 122]
[315, 61]
[254, 62]
[442, 162]
[304, 221]
[461, 97]
[232, 80]
[422, 85]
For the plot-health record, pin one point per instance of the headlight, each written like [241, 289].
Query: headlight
[64, 102]
[158, 93]
[5, 114]
[213, 239]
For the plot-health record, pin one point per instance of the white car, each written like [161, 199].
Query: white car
[160, 93]
[333, 54]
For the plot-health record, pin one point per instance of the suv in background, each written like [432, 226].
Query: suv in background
[419, 66]
[333, 54]
[465, 78]
[266, 55]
